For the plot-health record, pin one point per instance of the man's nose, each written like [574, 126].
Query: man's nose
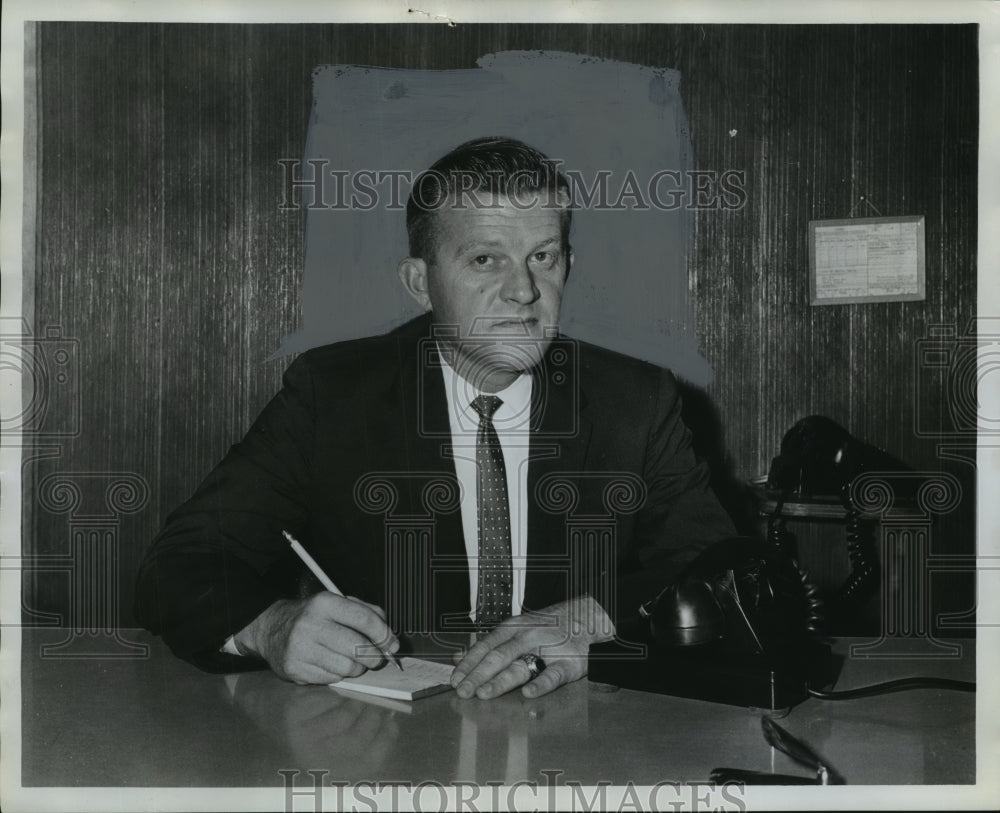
[519, 286]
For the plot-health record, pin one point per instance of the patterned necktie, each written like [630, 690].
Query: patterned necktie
[493, 521]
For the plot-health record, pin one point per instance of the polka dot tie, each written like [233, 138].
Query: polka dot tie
[493, 521]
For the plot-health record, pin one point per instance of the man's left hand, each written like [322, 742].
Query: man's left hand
[560, 634]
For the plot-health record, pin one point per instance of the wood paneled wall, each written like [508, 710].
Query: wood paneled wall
[161, 249]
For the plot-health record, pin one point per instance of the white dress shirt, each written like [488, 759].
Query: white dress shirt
[512, 424]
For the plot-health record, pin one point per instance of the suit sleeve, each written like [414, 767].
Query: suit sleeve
[681, 515]
[211, 570]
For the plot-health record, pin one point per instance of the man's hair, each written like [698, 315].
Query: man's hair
[480, 172]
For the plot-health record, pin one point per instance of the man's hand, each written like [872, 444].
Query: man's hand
[320, 639]
[561, 634]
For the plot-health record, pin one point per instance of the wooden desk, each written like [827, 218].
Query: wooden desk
[160, 722]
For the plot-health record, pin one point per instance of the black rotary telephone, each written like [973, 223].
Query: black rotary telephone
[819, 460]
[740, 625]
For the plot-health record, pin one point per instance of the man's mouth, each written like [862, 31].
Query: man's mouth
[516, 324]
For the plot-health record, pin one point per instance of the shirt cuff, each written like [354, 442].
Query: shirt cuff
[230, 648]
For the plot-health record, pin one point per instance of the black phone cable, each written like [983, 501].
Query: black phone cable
[905, 684]
[861, 581]
[778, 535]
[815, 615]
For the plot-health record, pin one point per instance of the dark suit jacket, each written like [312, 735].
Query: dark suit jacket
[352, 458]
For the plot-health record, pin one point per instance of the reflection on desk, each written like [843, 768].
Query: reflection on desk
[160, 722]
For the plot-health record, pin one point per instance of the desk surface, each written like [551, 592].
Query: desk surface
[157, 721]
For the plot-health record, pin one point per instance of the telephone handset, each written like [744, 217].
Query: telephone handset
[740, 625]
[820, 457]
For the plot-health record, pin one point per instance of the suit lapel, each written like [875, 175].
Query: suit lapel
[427, 438]
[560, 437]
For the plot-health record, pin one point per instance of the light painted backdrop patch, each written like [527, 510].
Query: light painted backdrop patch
[628, 290]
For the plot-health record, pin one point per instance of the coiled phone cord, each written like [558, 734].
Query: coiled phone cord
[863, 570]
[779, 537]
[814, 604]
[782, 541]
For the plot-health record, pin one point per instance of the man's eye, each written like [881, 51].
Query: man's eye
[543, 258]
[482, 259]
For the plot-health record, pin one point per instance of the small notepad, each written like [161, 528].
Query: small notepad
[419, 678]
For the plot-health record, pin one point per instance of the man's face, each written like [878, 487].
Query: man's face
[497, 275]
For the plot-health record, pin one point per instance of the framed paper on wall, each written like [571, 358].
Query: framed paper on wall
[871, 259]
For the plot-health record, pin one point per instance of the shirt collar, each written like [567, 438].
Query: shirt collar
[514, 413]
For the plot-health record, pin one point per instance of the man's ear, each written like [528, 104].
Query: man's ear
[413, 274]
[569, 265]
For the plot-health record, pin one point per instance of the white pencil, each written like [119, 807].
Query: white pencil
[327, 582]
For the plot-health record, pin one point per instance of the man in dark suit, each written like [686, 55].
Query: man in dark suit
[469, 470]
